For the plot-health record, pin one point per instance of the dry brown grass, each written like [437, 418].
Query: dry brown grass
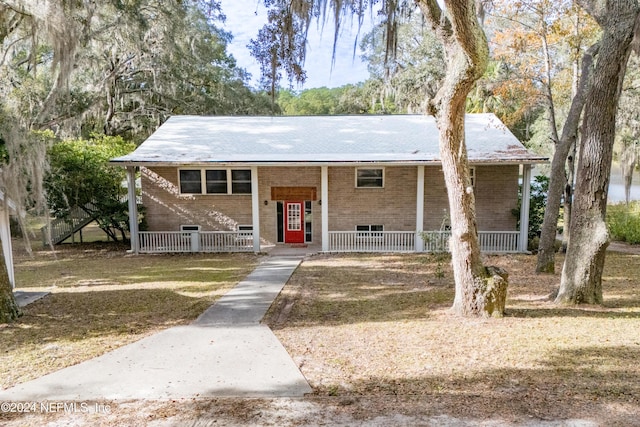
[374, 337]
[362, 326]
[101, 298]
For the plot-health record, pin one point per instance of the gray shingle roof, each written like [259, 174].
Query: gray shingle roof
[320, 139]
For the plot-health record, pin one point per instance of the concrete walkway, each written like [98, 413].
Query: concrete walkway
[225, 352]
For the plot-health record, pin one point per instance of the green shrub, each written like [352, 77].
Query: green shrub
[624, 222]
[537, 203]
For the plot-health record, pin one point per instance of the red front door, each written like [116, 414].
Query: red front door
[294, 222]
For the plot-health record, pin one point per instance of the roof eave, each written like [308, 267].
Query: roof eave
[487, 162]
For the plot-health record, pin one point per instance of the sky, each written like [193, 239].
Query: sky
[246, 17]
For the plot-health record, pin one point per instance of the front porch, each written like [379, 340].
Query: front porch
[250, 238]
[339, 241]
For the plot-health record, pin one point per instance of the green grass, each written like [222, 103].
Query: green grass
[624, 222]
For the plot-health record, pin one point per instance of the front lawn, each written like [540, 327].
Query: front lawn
[102, 298]
[364, 327]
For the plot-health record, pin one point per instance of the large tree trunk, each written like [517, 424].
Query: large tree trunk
[558, 179]
[9, 310]
[582, 272]
[479, 291]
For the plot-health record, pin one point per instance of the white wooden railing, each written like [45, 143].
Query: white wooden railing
[499, 241]
[63, 228]
[195, 241]
[404, 241]
[339, 241]
[372, 241]
[490, 241]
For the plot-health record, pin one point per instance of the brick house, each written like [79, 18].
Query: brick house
[344, 183]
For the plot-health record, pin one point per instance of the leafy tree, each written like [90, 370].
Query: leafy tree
[480, 291]
[410, 75]
[541, 42]
[628, 138]
[347, 99]
[280, 45]
[581, 280]
[79, 67]
[81, 177]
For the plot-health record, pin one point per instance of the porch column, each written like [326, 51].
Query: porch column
[420, 210]
[5, 235]
[524, 207]
[133, 209]
[255, 209]
[324, 197]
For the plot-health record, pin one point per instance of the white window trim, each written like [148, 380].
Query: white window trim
[203, 182]
[190, 227]
[369, 168]
[180, 180]
[381, 236]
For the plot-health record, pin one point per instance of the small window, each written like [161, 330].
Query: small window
[241, 181]
[369, 178]
[189, 228]
[472, 175]
[367, 231]
[216, 181]
[190, 181]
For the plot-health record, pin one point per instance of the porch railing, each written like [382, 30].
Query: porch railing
[490, 241]
[404, 241]
[195, 241]
[499, 241]
[339, 241]
[372, 241]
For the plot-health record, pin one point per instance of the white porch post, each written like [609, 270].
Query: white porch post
[5, 235]
[420, 210]
[255, 209]
[524, 208]
[324, 197]
[133, 209]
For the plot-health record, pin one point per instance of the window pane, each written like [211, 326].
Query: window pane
[190, 181]
[216, 181]
[377, 228]
[241, 188]
[216, 175]
[241, 181]
[241, 175]
[369, 177]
